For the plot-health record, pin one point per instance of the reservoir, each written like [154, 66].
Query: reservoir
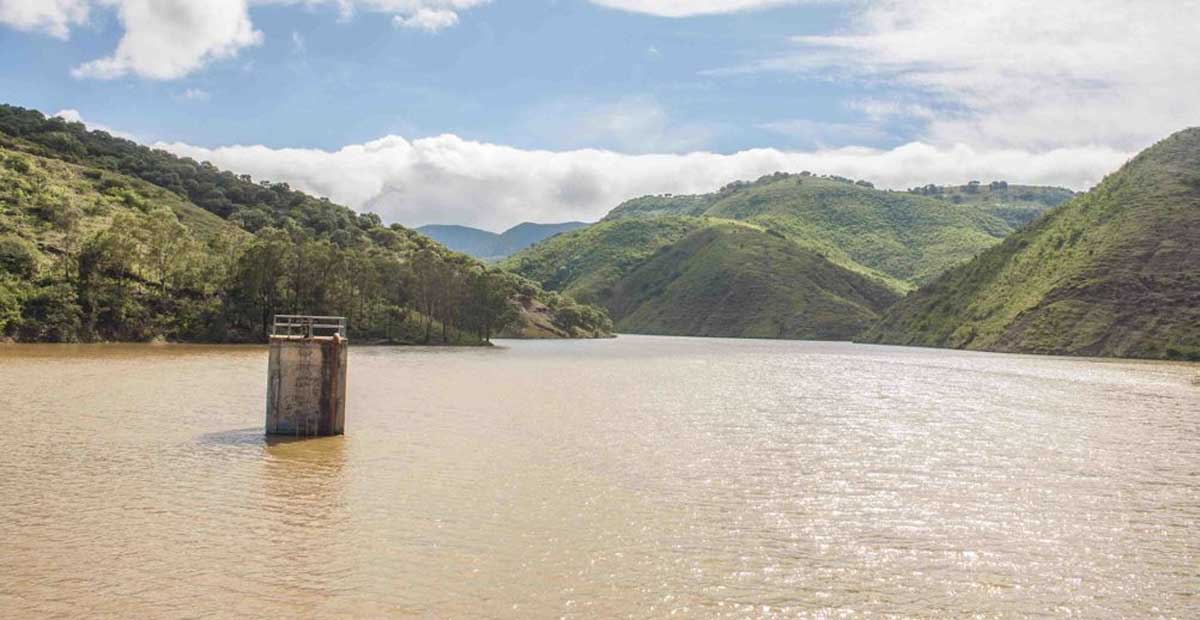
[640, 477]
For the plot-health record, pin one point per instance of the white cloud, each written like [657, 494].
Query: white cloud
[54, 17]
[168, 39]
[73, 116]
[1026, 73]
[446, 179]
[429, 20]
[427, 15]
[688, 8]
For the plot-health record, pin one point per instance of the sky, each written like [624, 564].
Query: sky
[493, 112]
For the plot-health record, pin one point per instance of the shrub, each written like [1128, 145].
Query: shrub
[17, 257]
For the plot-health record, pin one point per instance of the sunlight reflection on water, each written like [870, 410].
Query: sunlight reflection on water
[637, 477]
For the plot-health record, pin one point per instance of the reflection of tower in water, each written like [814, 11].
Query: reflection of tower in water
[304, 476]
[303, 492]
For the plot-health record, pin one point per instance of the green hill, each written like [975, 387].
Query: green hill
[1017, 205]
[104, 239]
[1113, 272]
[693, 276]
[893, 240]
[731, 279]
[587, 263]
[904, 238]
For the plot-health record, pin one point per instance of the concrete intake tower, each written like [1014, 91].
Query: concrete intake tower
[306, 376]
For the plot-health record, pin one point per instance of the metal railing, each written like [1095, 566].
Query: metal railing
[301, 326]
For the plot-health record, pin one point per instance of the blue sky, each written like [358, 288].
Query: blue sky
[492, 112]
[489, 78]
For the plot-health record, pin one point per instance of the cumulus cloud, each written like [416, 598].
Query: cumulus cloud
[429, 20]
[168, 39]
[1024, 73]
[54, 17]
[446, 179]
[688, 8]
[427, 15]
[73, 116]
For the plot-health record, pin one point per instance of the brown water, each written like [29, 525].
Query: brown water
[639, 477]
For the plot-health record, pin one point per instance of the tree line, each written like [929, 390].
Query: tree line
[124, 266]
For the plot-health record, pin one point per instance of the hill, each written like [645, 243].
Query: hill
[903, 238]
[487, 245]
[896, 240]
[1015, 204]
[681, 275]
[587, 263]
[104, 239]
[732, 279]
[469, 241]
[1113, 272]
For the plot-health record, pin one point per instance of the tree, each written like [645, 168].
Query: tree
[17, 256]
[11, 300]
[490, 308]
[258, 279]
[164, 243]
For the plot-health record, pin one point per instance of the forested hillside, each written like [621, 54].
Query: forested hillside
[866, 239]
[1114, 272]
[105, 239]
[1017, 205]
[702, 276]
[902, 237]
[586, 264]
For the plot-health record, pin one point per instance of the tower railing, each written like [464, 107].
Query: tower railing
[304, 326]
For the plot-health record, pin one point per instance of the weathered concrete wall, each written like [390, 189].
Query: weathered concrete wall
[306, 386]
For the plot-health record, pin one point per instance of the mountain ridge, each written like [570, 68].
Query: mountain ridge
[895, 240]
[488, 245]
[1113, 272]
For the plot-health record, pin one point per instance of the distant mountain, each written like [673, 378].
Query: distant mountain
[488, 245]
[751, 258]
[1115, 271]
[471, 241]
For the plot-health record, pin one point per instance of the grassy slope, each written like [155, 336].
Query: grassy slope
[588, 262]
[98, 196]
[1115, 271]
[902, 238]
[877, 240]
[30, 198]
[729, 279]
[1017, 205]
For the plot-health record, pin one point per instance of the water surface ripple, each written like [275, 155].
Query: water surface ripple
[639, 477]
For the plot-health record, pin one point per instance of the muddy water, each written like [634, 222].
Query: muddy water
[639, 477]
